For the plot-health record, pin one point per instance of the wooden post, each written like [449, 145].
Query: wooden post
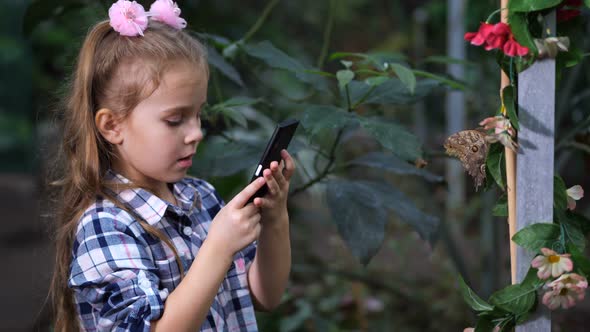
[536, 103]
[510, 167]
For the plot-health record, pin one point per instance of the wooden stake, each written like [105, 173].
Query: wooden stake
[510, 168]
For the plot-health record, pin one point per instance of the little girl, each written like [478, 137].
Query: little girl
[140, 246]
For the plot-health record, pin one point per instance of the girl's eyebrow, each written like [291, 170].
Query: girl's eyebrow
[181, 108]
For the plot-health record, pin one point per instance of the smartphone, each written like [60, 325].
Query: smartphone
[280, 140]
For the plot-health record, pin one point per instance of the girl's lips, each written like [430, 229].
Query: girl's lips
[186, 162]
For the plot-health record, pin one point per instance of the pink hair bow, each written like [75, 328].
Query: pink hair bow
[130, 18]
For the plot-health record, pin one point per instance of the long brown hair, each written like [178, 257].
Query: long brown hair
[115, 72]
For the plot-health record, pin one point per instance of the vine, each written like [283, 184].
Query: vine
[559, 271]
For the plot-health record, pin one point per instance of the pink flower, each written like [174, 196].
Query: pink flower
[570, 280]
[471, 329]
[551, 264]
[499, 123]
[503, 131]
[167, 11]
[565, 291]
[128, 18]
[574, 194]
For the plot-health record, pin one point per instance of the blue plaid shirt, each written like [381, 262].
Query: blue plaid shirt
[121, 275]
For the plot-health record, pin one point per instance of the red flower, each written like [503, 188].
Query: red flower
[496, 36]
[563, 15]
[488, 35]
[478, 38]
[565, 12]
[513, 48]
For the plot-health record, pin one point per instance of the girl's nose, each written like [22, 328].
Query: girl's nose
[194, 133]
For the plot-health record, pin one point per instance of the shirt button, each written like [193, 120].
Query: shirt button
[188, 231]
[145, 284]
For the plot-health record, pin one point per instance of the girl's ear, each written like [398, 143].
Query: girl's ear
[108, 126]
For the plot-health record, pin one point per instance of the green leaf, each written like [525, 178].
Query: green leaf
[445, 80]
[344, 77]
[570, 58]
[573, 233]
[508, 95]
[231, 109]
[581, 262]
[531, 5]
[587, 3]
[391, 92]
[219, 157]
[495, 163]
[448, 60]
[474, 301]
[276, 58]
[398, 203]
[517, 299]
[537, 236]
[484, 324]
[359, 209]
[316, 119]
[376, 80]
[340, 55]
[216, 60]
[501, 208]
[406, 75]
[391, 163]
[41, 10]
[383, 60]
[359, 216]
[581, 221]
[520, 28]
[559, 194]
[394, 138]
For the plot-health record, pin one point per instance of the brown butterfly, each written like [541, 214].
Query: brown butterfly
[471, 147]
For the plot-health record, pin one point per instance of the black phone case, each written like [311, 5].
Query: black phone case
[280, 140]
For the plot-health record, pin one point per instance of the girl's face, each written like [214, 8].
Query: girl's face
[161, 134]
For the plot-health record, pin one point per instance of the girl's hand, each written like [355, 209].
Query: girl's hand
[237, 224]
[278, 177]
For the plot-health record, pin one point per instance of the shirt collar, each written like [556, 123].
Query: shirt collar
[152, 208]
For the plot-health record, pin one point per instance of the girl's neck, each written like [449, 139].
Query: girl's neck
[163, 190]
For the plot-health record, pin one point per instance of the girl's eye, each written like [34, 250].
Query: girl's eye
[173, 123]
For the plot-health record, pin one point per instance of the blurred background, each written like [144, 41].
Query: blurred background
[409, 282]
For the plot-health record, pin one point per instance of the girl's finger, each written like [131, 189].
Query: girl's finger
[271, 183]
[289, 165]
[251, 210]
[277, 173]
[262, 203]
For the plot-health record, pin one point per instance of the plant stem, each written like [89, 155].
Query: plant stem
[494, 13]
[327, 35]
[327, 170]
[269, 7]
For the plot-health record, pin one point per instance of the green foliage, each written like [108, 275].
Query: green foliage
[520, 28]
[474, 301]
[501, 209]
[531, 5]
[276, 58]
[495, 163]
[405, 75]
[393, 164]
[559, 194]
[509, 98]
[537, 236]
